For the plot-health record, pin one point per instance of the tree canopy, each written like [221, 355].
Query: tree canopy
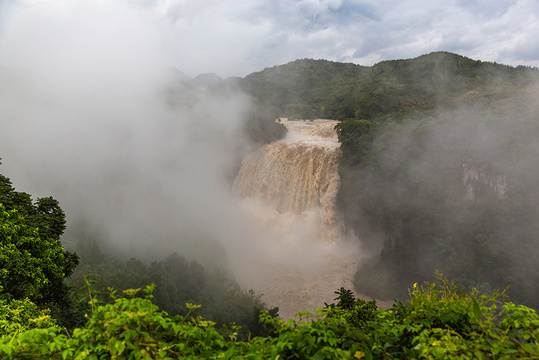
[29, 264]
[34, 264]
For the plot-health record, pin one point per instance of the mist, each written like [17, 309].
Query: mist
[92, 116]
[142, 163]
[455, 190]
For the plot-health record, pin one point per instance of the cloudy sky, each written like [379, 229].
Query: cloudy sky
[237, 37]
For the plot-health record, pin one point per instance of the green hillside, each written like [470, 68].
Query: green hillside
[303, 88]
[324, 89]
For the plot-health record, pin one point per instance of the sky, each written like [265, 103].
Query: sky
[236, 37]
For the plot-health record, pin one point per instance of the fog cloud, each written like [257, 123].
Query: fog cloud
[87, 117]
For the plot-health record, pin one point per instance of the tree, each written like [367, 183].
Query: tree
[29, 265]
[357, 312]
[32, 260]
[355, 136]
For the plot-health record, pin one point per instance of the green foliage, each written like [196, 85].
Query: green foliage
[440, 321]
[304, 88]
[356, 312]
[21, 315]
[355, 137]
[34, 264]
[178, 281]
[443, 321]
[135, 328]
[45, 214]
[131, 328]
[29, 264]
[307, 88]
[346, 299]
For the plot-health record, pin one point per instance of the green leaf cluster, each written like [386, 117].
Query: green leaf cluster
[20, 315]
[440, 321]
[356, 312]
[28, 263]
[33, 263]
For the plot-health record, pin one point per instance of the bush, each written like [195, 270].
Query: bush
[440, 321]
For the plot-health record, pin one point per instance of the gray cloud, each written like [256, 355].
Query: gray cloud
[238, 37]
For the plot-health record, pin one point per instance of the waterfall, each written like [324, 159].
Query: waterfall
[289, 188]
[297, 174]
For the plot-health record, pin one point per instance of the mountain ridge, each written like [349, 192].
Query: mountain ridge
[307, 88]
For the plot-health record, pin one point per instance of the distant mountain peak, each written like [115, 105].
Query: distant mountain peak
[178, 75]
[207, 79]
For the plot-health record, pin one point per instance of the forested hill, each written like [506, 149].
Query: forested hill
[303, 88]
[309, 89]
[439, 165]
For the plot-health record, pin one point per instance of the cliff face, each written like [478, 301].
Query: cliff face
[477, 179]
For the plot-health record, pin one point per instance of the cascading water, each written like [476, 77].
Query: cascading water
[289, 188]
[297, 174]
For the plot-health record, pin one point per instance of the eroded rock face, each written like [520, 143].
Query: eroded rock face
[477, 179]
